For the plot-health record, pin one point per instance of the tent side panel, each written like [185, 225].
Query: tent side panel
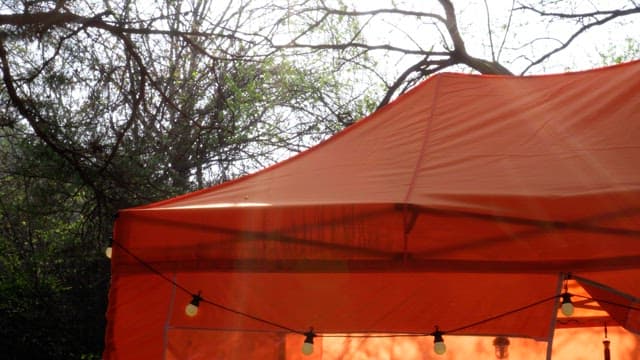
[370, 302]
[137, 316]
[186, 343]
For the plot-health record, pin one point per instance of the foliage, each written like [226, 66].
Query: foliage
[48, 276]
[629, 50]
[108, 105]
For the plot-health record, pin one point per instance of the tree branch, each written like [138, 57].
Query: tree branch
[35, 119]
[451, 23]
[424, 66]
[50, 19]
[506, 30]
[493, 53]
[459, 53]
[375, 12]
[612, 14]
[351, 45]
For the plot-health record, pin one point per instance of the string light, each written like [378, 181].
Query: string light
[438, 342]
[567, 307]
[307, 346]
[606, 342]
[109, 250]
[501, 344]
[192, 308]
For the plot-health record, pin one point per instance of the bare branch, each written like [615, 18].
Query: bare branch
[506, 30]
[612, 14]
[425, 67]
[55, 53]
[359, 45]
[451, 23]
[310, 28]
[375, 12]
[459, 53]
[489, 32]
[47, 20]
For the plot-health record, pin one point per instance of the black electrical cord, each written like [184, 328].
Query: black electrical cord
[202, 298]
[364, 333]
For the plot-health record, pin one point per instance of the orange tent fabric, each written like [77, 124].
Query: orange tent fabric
[466, 199]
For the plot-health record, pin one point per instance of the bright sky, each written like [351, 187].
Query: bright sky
[529, 35]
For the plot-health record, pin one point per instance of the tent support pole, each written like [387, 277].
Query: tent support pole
[606, 288]
[554, 317]
[167, 323]
[409, 221]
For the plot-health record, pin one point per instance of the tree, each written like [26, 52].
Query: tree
[108, 105]
[112, 104]
[429, 36]
[48, 275]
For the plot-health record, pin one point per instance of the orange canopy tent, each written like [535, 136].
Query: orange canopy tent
[465, 204]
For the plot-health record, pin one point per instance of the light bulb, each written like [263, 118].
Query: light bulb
[192, 308]
[438, 342]
[108, 251]
[501, 344]
[566, 307]
[307, 348]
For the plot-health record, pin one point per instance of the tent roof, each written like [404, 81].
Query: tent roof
[457, 136]
[469, 195]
